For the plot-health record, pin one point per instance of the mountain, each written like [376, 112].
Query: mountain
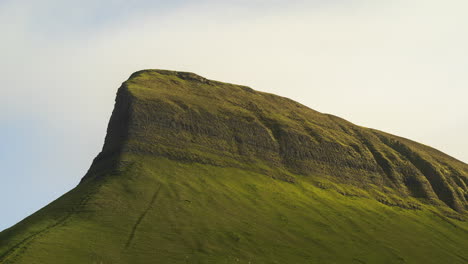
[198, 171]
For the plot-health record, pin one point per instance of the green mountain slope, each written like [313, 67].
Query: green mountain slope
[198, 171]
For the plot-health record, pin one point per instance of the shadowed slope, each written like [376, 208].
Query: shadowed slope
[198, 171]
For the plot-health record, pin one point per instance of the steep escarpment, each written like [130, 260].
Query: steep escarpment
[198, 171]
[188, 118]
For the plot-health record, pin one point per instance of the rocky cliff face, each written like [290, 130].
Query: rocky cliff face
[188, 118]
[198, 171]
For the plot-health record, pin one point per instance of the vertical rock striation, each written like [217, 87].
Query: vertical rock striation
[188, 118]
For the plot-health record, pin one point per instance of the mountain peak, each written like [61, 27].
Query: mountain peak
[188, 118]
[179, 74]
[199, 171]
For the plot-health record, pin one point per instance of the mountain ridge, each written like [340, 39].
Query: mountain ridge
[331, 142]
[199, 171]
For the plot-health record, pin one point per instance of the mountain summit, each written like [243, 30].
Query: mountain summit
[199, 171]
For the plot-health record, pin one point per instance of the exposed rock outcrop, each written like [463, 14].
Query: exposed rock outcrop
[188, 118]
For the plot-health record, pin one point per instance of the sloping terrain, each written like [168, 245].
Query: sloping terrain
[199, 171]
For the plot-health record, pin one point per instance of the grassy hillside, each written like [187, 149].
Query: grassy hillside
[199, 171]
[161, 211]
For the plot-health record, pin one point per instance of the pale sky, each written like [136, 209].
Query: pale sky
[397, 66]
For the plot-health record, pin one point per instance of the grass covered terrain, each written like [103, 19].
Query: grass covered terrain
[198, 171]
[161, 211]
